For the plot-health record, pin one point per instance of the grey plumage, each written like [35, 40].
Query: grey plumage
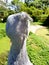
[17, 31]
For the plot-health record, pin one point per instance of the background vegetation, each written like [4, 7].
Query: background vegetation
[37, 9]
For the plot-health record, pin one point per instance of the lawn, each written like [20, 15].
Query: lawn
[44, 32]
[4, 50]
[37, 47]
[4, 44]
[4, 40]
[2, 25]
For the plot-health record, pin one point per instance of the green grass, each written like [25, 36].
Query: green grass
[4, 44]
[37, 47]
[44, 32]
[4, 40]
[38, 50]
[2, 25]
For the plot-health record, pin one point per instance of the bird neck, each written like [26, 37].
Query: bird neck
[18, 53]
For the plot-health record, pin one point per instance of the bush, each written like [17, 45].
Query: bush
[37, 14]
[43, 17]
[23, 7]
[47, 11]
[4, 13]
[46, 22]
[34, 13]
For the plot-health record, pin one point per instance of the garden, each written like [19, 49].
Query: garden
[38, 42]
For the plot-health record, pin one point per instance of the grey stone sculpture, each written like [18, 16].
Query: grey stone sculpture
[17, 31]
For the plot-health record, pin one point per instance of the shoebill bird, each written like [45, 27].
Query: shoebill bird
[17, 29]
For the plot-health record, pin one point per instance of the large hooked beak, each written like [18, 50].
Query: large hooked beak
[29, 18]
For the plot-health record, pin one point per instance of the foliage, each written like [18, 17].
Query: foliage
[4, 13]
[15, 2]
[39, 3]
[43, 17]
[32, 11]
[36, 13]
[46, 22]
[2, 30]
[37, 9]
[38, 50]
[23, 6]
[47, 11]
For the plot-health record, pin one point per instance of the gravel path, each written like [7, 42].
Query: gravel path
[34, 28]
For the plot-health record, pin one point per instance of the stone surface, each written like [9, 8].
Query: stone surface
[17, 30]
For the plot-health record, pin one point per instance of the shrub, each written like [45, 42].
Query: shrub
[23, 7]
[4, 13]
[34, 13]
[46, 22]
[47, 11]
[43, 17]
